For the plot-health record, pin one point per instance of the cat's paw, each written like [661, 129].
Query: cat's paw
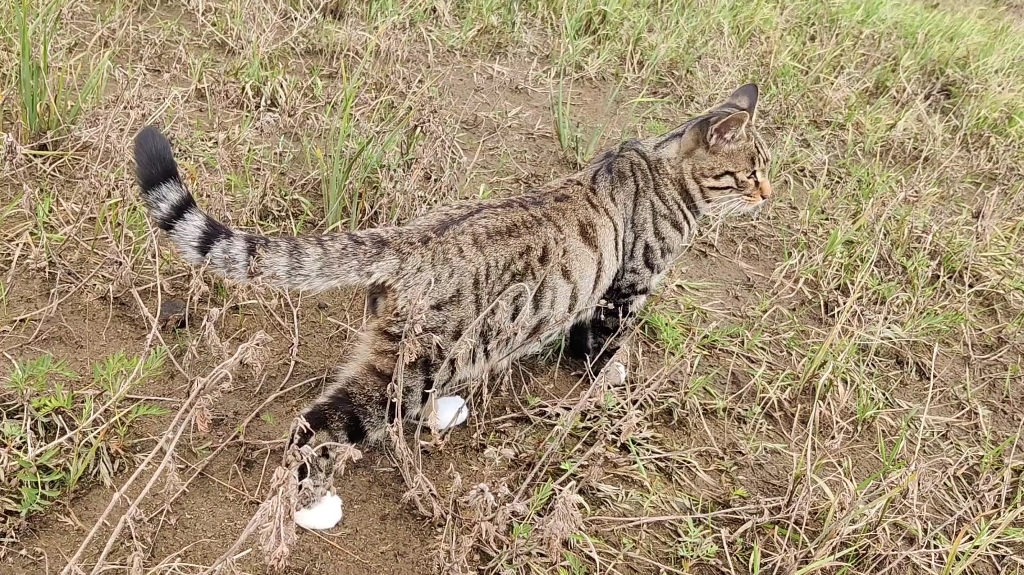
[616, 373]
[449, 412]
[322, 514]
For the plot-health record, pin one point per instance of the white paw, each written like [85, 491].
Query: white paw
[449, 412]
[323, 514]
[617, 373]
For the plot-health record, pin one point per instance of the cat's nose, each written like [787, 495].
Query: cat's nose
[765, 189]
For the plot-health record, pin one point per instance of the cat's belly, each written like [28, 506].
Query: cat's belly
[501, 341]
[525, 318]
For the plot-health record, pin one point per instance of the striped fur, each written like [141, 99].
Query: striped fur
[312, 263]
[467, 288]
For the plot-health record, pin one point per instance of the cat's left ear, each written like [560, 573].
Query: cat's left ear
[744, 98]
[730, 129]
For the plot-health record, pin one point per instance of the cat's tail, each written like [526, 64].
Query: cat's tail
[312, 263]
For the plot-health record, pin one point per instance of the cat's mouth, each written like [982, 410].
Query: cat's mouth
[753, 204]
[760, 196]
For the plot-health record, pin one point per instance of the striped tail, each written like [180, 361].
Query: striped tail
[312, 263]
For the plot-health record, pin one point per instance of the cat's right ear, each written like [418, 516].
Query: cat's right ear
[743, 98]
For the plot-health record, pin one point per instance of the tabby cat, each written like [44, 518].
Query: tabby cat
[466, 289]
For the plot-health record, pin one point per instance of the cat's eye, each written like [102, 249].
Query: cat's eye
[725, 181]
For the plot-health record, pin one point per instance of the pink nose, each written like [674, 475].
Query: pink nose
[765, 189]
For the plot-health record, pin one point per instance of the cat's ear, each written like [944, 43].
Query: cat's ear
[743, 98]
[730, 129]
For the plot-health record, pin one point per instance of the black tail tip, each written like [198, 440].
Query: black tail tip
[154, 160]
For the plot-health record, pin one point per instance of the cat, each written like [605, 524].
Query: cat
[468, 288]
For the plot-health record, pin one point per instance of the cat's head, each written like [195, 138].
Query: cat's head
[721, 156]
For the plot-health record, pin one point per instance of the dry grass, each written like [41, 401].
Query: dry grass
[832, 388]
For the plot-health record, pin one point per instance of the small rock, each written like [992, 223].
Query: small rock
[173, 315]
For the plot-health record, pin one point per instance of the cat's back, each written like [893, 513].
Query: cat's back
[497, 224]
[556, 242]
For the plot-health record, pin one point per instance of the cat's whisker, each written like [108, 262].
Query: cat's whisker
[721, 210]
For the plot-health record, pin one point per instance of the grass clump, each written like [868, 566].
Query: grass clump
[52, 91]
[57, 433]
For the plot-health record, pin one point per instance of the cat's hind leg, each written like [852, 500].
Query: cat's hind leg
[351, 411]
[355, 408]
[358, 408]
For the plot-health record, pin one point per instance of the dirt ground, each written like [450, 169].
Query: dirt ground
[832, 387]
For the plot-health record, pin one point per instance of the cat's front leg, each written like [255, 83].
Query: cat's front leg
[598, 340]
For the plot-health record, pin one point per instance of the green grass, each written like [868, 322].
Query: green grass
[58, 433]
[579, 146]
[51, 96]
